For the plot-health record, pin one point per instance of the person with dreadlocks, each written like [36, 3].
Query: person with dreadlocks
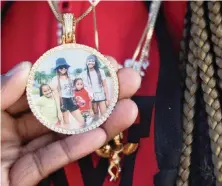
[95, 79]
[201, 61]
[62, 84]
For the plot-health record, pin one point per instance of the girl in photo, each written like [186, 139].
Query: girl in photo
[62, 83]
[83, 99]
[48, 106]
[95, 80]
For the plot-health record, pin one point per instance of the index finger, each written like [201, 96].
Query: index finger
[14, 84]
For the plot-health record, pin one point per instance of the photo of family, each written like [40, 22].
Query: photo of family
[72, 89]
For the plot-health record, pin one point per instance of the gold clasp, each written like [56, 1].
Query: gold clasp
[69, 26]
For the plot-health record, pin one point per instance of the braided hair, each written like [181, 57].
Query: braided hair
[204, 46]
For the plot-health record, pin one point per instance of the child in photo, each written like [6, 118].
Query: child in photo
[62, 84]
[48, 106]
[83, 99]
[95, 79]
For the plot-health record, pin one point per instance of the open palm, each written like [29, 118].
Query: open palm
[30, 152]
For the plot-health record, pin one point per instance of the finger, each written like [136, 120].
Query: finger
[122, 117]
[29, 127]
[129, 82]
[129, 79]
[13, 84]
[39, 142]
[33, 167]
[20, 105]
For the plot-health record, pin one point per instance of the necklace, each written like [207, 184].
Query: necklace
[116, 147]
[59, 24]
[59, 17]
[56, 75]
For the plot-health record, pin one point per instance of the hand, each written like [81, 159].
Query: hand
[29, 149]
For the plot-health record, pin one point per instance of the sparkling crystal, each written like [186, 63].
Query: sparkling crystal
[142, 73]
[59, 33]
[136, 65]
[128, 63]
[59, 25]
[109, 112]
[145, 64]
[68, 19]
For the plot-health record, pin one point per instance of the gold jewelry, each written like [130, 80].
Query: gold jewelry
[69, 29]
[54, 7]
[113, 152]
[70, 60]
[95, 29]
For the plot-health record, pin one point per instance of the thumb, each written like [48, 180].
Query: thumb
[13, 84]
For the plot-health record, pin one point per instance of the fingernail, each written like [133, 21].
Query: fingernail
[18, 68]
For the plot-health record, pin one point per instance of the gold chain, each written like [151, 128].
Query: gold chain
[54, 7]
[96, 33]
[154, 10]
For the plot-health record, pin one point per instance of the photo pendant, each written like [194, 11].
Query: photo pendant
[72, 88]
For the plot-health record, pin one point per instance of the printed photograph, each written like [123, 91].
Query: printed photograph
[72, 88]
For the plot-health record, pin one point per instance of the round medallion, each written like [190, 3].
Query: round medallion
[72, 88]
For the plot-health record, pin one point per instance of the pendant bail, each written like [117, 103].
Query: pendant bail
[69, 26]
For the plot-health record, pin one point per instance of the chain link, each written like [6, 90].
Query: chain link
[54, 7]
